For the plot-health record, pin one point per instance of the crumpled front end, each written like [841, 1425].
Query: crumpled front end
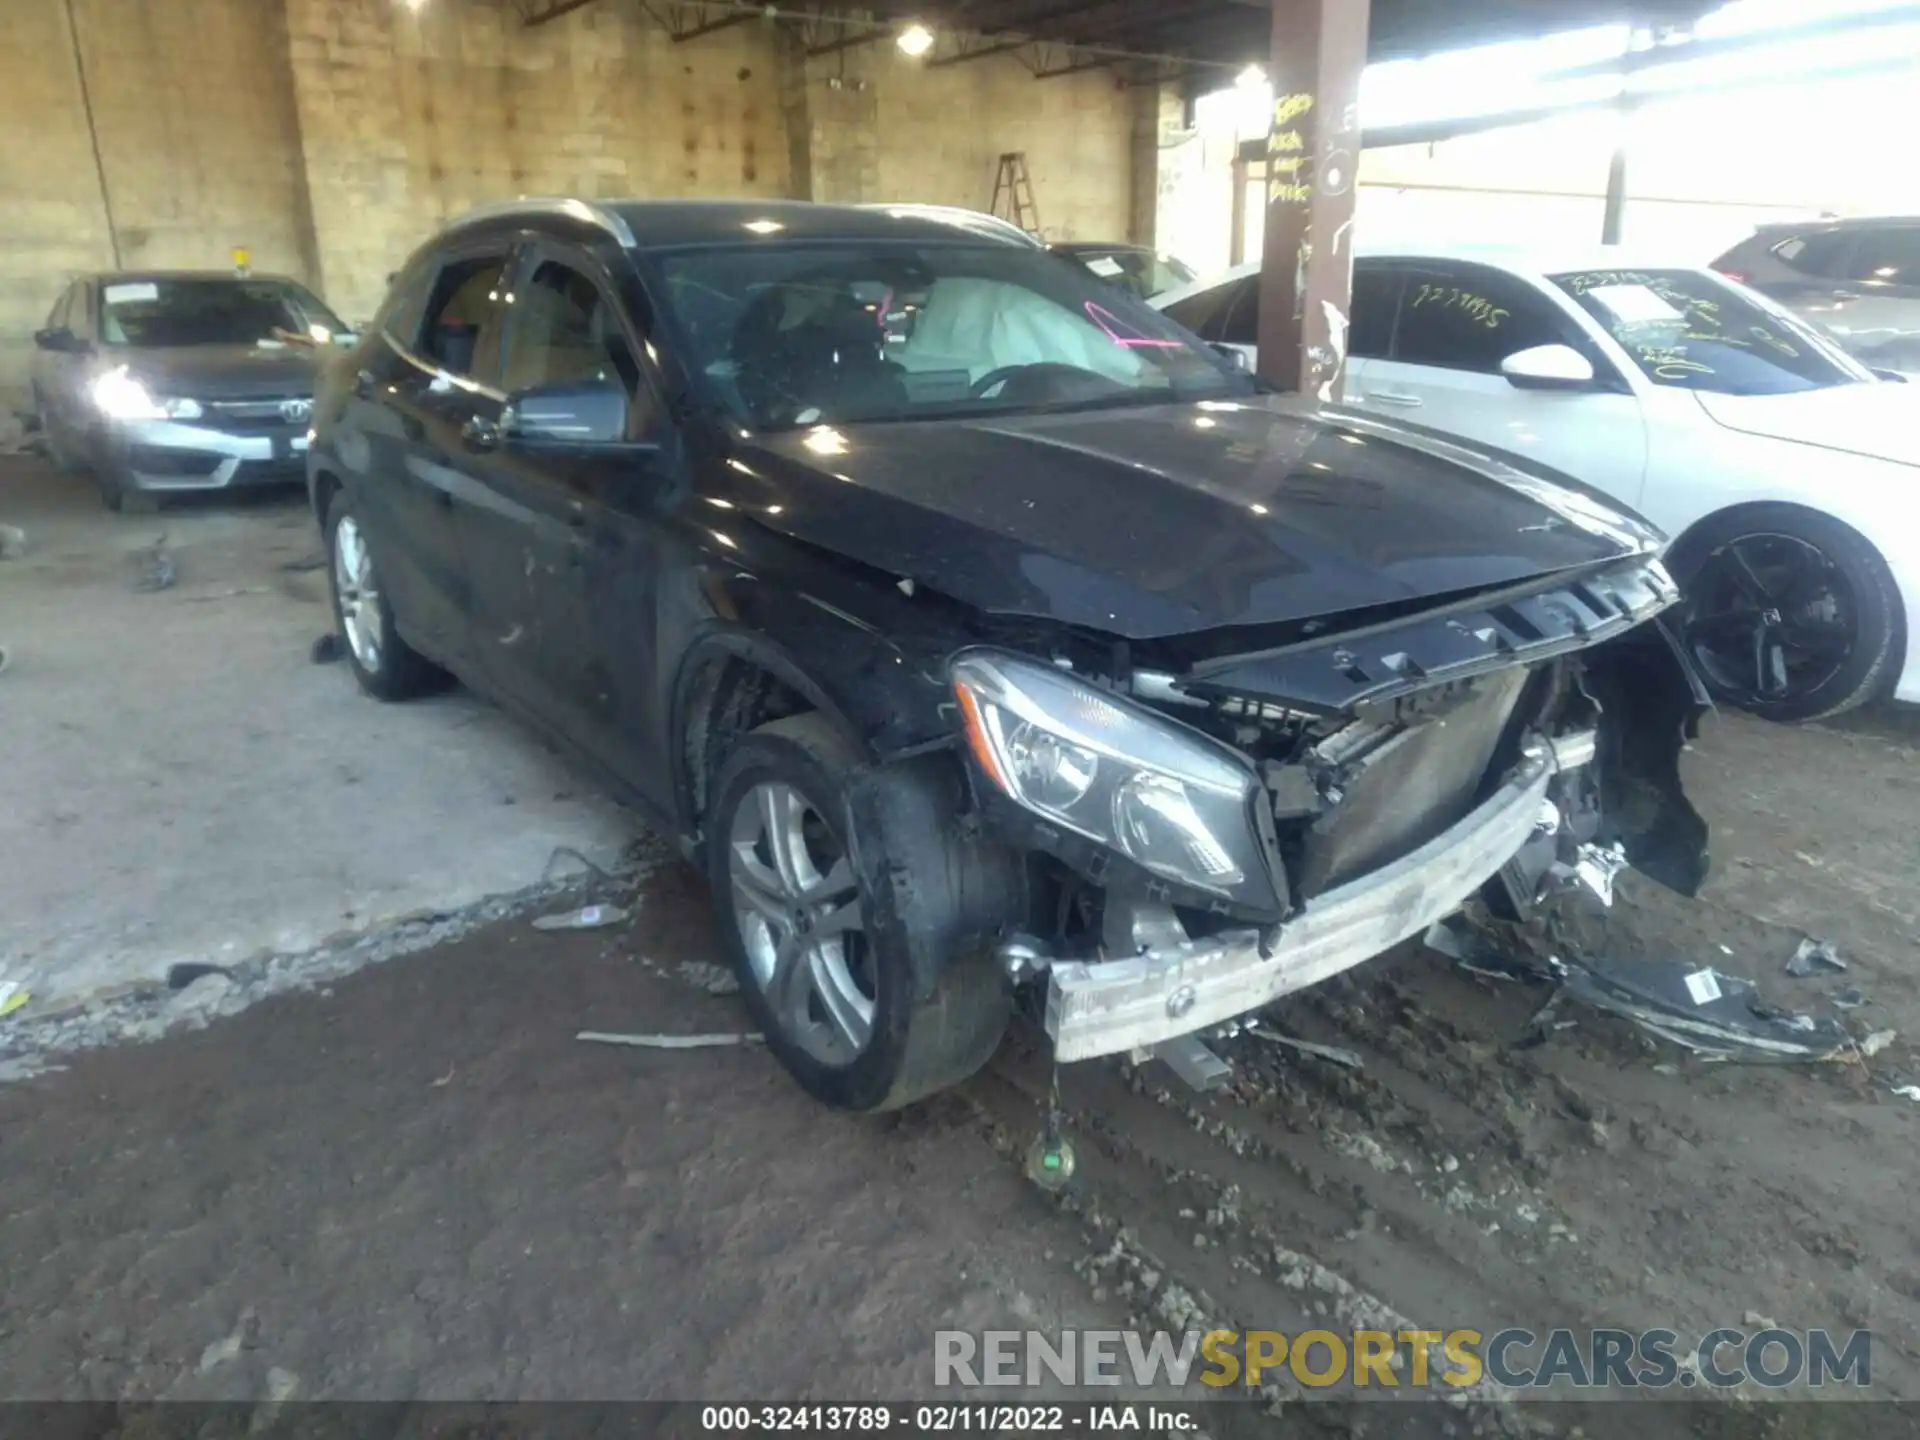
[1514, 746]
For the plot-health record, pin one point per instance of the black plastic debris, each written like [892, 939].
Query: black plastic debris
[325, 650]
[1472, 951]
[1813, 957]
[1715, 1015]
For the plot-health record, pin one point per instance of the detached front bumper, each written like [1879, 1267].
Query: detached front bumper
[176, 455]
[1105, 1007]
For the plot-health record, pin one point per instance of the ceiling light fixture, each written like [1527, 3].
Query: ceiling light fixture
[915, 41]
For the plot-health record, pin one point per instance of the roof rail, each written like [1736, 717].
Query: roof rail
[553, 207]
[961, 218]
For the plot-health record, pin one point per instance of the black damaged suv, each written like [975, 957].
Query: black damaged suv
[994, 645]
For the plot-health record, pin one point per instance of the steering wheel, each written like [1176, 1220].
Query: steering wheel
[996, 378]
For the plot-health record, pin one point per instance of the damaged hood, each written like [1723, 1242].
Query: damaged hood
[224, 372]
[1167, 519]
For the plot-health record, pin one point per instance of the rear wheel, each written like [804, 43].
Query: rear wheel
[1790, 614]
[832, 985]
[385, 665]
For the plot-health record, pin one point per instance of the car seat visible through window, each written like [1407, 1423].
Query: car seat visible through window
[807, 352]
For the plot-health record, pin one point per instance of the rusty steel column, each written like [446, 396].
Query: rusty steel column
[1313, 156]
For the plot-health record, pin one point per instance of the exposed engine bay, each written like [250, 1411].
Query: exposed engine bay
[1504, 774]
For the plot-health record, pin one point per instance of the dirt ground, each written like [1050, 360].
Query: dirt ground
[417, 1184]
[181, 783]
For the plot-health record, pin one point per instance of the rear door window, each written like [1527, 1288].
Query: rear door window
[1376, 292]
[1468, 317]
[1889, 256]
[466, 296]
[1821, 252]
[1241, 325]
[1205, 313]
[1376, 299]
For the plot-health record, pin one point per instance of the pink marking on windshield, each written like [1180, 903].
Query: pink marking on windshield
[1111, 325]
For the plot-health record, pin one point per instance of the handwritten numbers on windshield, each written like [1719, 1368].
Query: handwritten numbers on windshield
[1452, 297]
[1671, 362]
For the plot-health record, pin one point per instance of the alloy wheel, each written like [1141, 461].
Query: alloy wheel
[798, 913]
[1771, 619]
[359, 591]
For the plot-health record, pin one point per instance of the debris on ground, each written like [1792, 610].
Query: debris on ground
[13, 542]
[200, 998]
[153, 567]
[13, 996]
[180, 976]
[567, 852]
[1472, 951]
[1597, 869]
[1715, 1015]
[1851, 998]
[325, 649]
[587, 917]
[705, 975]
[670, 1042]
[1878, 1041]
[4, 659]
[1907, 1092]
[1813, 957]
[1333, 1053]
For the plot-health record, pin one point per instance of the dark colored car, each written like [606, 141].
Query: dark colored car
[1145, 272]
[992, 644]
[164, 381]
[1860, 279]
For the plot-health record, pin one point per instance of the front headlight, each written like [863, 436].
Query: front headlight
[1120, 776]
[121, 397]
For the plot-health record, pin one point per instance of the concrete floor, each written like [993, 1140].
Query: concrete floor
[182, 783]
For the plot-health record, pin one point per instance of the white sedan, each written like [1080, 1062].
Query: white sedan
[1788, 474]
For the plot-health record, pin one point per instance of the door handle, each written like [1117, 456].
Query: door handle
[1396, 397]
[480, 433]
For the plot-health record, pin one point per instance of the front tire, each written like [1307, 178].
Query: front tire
[1790, 614]
[812, 916]
[385, 665]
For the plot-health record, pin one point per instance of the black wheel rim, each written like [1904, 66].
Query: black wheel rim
[1770, 620]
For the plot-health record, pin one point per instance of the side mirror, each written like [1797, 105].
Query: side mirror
[1233, 355]
[59, 339]
[574, 412]
[1548, 367]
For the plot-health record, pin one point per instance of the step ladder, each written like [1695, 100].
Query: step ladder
[1013, 193]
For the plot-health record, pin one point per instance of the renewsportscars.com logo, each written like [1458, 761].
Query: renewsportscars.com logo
[1516, 1359]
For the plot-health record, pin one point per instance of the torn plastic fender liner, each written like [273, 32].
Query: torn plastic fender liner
[941, 888]
[1651, 704]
